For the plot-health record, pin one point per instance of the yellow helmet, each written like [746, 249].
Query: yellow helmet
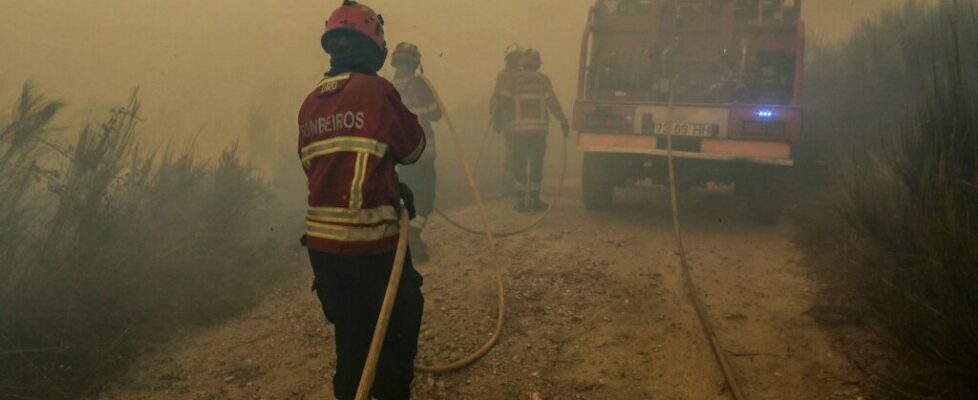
[514, 50]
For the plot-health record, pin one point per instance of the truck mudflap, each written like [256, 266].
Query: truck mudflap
[757, 152]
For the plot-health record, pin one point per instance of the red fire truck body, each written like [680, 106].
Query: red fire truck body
[723, 76]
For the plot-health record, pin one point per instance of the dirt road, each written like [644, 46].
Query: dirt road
[597, 310]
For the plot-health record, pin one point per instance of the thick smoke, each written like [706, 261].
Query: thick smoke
[204, 65]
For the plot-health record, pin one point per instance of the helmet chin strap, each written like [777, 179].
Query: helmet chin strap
[383, 60]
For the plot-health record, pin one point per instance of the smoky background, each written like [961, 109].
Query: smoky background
[220, 83]
[209, 70]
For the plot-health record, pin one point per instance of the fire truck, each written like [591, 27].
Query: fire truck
[722, 77]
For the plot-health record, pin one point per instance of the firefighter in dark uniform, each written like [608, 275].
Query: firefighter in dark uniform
[501, 109]
[353, 131]
[420, 99]
[534, 101]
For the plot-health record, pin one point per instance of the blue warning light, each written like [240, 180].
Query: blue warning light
[765, 113]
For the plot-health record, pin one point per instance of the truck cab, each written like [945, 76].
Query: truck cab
[722, 77]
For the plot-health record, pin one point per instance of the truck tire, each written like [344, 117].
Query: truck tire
[598, 189]
[764, 190]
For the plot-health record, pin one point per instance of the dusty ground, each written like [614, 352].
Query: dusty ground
[597, 310]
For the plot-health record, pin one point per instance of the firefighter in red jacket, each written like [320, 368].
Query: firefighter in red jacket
[420, 99]
[533, 101]
[501, 109]
[353, 131]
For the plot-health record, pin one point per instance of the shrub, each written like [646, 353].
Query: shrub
[121, 249]
[902, 96]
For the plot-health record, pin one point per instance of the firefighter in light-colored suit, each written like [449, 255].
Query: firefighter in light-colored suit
[421, 177]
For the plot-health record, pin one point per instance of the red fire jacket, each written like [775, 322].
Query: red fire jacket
[534, 101]
[353, 130]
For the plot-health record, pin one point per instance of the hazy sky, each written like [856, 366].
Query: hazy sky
[204, 64]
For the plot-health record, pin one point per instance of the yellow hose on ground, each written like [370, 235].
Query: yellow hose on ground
[525, 228]
[380, 332]
[691, 289]
[493, 258]
[487, 137]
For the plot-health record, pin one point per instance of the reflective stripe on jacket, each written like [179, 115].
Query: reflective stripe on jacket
[534, 100]
[353, 130]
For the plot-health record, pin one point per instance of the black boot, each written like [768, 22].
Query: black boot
[536, 204]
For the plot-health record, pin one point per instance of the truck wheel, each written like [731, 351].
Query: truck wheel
[597, 186]
[765, 194]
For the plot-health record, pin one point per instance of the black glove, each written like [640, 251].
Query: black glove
[502, 120]
[565, 127]
[407, 197]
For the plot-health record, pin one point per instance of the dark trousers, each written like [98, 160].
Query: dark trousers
[421, 177]
[351, 290]
[528, 151]
[507, 163]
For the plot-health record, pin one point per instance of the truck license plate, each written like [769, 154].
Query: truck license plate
[683, 129]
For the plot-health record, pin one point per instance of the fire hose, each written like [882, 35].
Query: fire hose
[691, 288]
[529, 226]
[533, 223]
[380, 332]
